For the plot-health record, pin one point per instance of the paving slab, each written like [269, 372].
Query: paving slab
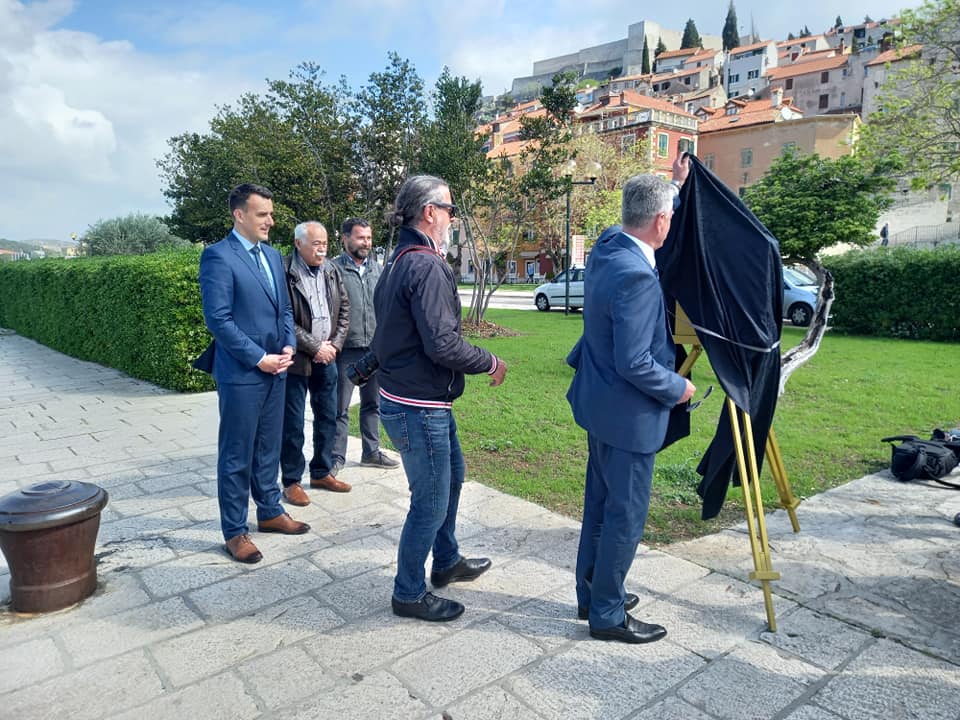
[868, 605]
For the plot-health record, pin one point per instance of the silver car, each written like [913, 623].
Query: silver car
[799, 296]
[552, 294]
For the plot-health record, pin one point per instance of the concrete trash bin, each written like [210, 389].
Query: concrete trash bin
[48, 533]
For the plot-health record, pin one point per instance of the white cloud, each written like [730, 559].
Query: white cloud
[85, 120]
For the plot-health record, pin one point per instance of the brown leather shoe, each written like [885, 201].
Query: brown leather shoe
[283, 523]
[295, 495]
[242, 549]
[330, 483]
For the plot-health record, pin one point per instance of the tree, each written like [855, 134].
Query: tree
[810, 203]
[660, 47]
[645, 61]
[731, 32]
[319, 119]
[838, 24]
[391, 113]
[297, 140]
[251, 142]
[918, 120]
[134, 234]
[691, 38]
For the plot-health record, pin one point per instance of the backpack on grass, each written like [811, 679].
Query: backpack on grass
[934, 459]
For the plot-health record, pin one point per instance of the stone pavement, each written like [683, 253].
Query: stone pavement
[868, 607]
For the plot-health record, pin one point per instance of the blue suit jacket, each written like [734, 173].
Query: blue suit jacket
[241, 311]
[624, 384]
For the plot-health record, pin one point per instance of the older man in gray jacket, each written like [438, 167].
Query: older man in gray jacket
[321, 316]
[360, 272]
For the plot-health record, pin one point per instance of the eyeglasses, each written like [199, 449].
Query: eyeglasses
[694, 405]
[452, 209]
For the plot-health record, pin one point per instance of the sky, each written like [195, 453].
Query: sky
[91, 90]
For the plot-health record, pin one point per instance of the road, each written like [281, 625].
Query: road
[503, 299]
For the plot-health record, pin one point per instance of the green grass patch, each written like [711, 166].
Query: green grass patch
[521, 438]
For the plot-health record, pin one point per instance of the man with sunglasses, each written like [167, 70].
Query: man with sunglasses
[622, 392]
[423, 358]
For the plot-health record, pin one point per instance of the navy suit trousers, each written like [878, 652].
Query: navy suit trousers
[615, 502]
[251, 422]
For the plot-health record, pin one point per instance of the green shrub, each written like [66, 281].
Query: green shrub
[139, 314]
[898, 292]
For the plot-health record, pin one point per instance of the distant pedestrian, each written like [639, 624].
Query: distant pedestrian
[885, 234]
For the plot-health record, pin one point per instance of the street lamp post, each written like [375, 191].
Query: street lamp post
[570, 166]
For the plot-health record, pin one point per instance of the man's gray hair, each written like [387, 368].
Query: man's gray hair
[645, 197]
[300, 231]
[416, 192]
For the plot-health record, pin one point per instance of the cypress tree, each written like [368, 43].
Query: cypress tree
[691, 38]
[731, 35]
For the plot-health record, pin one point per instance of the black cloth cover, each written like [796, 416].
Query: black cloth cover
[723, 267]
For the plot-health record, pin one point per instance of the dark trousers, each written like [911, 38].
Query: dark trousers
[248, 451]
[321, 385]
[615, 502]
[369, 408]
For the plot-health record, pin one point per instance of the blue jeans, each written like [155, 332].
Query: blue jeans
[433, 461]
[322, 386]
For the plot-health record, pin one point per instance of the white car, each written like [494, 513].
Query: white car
[553, 293]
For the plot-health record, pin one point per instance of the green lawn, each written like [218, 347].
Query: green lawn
[521, 437]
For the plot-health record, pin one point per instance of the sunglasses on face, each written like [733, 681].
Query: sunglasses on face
[452, 209]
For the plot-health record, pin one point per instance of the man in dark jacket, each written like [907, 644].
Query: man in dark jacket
[360, 273]
[423, 358]
[321, 317]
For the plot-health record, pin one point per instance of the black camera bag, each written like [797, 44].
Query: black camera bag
[916, 459]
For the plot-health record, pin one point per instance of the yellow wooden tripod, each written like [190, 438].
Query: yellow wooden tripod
[749, 475]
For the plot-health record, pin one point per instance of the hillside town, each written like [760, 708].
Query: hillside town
[737, 109]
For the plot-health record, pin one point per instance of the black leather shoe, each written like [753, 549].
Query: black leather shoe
[466, 569]
[630, 601]
[632, 631]
[430, 608]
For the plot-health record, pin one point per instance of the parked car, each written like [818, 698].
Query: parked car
[799, 296]
[553, 293]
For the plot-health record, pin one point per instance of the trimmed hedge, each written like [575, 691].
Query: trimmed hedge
[137, 313]
[898, 292]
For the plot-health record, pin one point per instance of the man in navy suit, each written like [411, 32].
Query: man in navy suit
[247, 310]
[621, 394]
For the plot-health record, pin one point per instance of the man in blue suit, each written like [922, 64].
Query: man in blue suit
[621, 394]
[247, 310]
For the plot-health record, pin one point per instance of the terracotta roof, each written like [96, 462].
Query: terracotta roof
[507, 149]
[636, 76]
[896, 54]
[754, 112]
[632, 98]
[675, 73]
[677, 53]
[798, 41]
[754, 46]
[704, 53]
[805, 68]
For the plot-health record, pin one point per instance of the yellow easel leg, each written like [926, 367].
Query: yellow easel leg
[756, 522]
[788, 500]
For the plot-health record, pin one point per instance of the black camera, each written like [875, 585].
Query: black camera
[363, 369]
